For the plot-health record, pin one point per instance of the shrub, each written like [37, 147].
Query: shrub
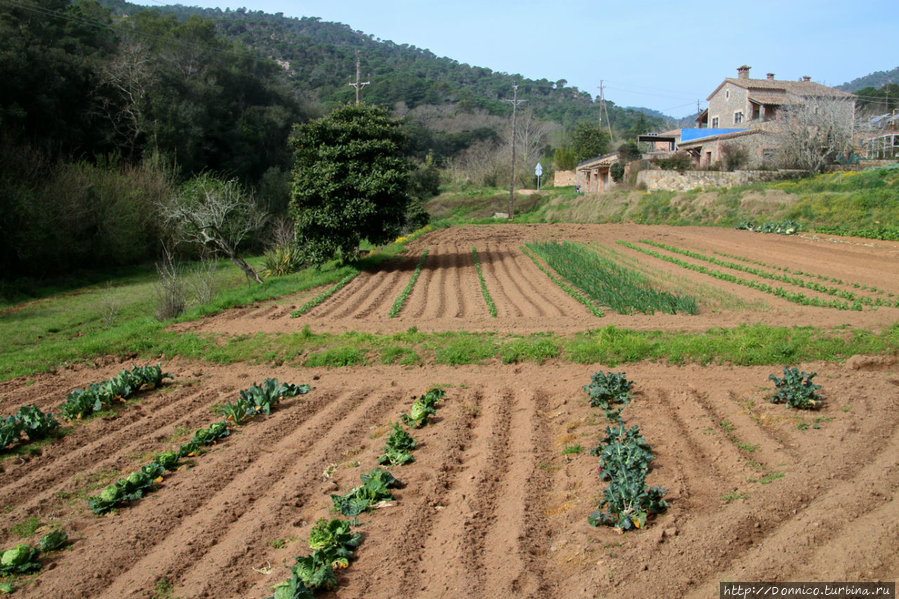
[282, 259]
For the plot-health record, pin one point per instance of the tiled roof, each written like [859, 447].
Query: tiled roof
[770, 98]
[798, 88]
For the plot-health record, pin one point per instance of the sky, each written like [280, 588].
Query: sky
[659, 54]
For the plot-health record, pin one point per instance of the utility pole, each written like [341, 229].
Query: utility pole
[515, 101]
[602, 106]
[359, 84]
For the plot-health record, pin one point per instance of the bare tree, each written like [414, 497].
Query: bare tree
[814, 132]
[216, 214]
[531, 137]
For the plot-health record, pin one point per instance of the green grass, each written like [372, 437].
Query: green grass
[27, 527]
[745, 345]
[43, 334]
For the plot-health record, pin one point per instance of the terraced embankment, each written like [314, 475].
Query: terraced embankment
[491, 506]
[446, 296]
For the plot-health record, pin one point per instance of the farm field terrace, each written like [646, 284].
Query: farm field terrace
[496, 501]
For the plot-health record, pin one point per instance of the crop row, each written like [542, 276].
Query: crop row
[812, 285]
[477, 264]
[801, 273]
[624, 457]
[255, 400]
[787, 227]
[608, 283]
[321, 297]
[24, 558]
[331, 542]
[28, 420]
[36, 425]
[398, 304]
[790, 296]
[579, 296]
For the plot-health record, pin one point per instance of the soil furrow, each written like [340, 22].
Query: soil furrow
[419, 300]
[378, 288]
[98, 444]
[382, 299]
[167, 515]
[512, 570]
[508, 277]
[277, 491]
[430, 487]
[505, 306]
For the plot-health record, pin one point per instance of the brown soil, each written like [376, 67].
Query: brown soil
[491, 507]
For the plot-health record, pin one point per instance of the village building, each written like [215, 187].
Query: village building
[744, 114]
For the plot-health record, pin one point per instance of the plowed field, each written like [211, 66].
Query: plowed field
[491, 507]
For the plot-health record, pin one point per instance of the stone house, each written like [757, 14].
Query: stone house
[594, 174]
[745, 114]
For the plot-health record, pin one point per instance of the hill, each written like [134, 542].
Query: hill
[320, 59]
[875, 80]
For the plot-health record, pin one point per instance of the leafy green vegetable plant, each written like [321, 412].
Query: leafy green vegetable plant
[54, 540]
[128, 489]
[609, 391]
[396, 451]
[423, 407]
[332, 543]
[84, 402]
[20, 560]
[624, 457]
[374, 488]
[796, 390]
[30, 420]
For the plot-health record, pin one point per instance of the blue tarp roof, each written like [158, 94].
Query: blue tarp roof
[691, 134]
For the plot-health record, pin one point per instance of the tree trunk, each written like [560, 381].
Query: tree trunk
[246, 268]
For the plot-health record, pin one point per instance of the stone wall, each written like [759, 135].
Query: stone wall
[564, 178]
[675, 181]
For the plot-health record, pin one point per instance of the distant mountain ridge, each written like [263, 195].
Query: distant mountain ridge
[876, 80]
[320, 57]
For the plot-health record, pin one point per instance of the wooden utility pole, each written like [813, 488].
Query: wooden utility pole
[359, 84]
[602, 106]
[515, 101]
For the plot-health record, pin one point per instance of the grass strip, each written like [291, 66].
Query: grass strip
[398, 304]
[742, 346]
[594, 309]
[784, 278]
[790, 296]
[490, 305]
[321, 297]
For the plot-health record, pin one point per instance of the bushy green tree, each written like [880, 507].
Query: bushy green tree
[351, 181]
[565, 159]
[589, 140]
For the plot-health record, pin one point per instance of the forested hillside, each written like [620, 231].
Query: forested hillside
[106, 109]
[322, 59]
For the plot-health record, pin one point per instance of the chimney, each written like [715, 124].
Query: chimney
[743, 72]
[770, 76]
[806, 78]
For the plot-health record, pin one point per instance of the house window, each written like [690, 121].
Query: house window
[727, 94]
[738, 117]
[714, 122]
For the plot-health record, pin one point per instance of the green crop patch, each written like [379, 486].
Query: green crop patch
[608, 283]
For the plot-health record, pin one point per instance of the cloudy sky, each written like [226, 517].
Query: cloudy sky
[661, 54]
